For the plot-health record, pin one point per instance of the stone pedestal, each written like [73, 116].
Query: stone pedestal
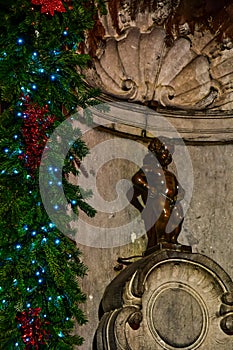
[165, 301]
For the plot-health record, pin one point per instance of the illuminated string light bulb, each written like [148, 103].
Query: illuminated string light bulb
[20, 41]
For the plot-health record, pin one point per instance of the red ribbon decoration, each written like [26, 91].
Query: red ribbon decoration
[49, 6]
[37, 122]
[31, 326]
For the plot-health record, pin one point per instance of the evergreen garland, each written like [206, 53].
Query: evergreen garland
[40, 86]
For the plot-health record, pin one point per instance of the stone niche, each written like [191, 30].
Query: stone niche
[175, 57]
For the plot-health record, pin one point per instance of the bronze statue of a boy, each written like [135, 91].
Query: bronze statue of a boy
[160, 193]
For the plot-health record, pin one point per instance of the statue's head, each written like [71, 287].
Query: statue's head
[162, 149]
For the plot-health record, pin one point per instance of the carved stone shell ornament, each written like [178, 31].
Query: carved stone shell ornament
[171, 55]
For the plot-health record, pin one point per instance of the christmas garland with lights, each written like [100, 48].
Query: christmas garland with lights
[40, 266]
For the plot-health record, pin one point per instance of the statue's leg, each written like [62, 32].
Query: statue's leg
[152, 237]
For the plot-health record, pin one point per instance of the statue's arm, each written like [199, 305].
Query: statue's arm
[140, 187]
[132, 196]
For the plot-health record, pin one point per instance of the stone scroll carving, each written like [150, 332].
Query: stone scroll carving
[169, 300]
[172, 53]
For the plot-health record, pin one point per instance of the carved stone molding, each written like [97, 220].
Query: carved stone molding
[137, 120]
[174, 56]
[166, 301]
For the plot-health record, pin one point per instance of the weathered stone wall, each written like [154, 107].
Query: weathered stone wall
[207, 226]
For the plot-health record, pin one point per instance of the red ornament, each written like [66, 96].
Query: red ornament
[49, 6]
[32, 328]
[36, 124]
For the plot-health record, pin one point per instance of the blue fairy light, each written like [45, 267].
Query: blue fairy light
[67, 318]
[20, 41]
[16, 344]
[40, 280]
[45, 315]
[65, 33]
[59, 183]
[41, 70]
[15, 137]
[44, 239]
[73, 202]
[34, 87]
[37, 273]
[50, 182]
[20, 151]
[49, 298]
[27, 339]
[50, 168]
[15, 171]
[19, 114]
[18, 246]
[60, 334]
[28, 177]
[6, 150]
[4, 301]
[28, 305]
[52, 77]
[28, 289]
[35, 54]
[33, 233]
[33, 261]
[55, 169]
[51, 225]
[3, 171]
[57, 241]
[71, 157]
[43, 228]
[25, 227]
[56, 207]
